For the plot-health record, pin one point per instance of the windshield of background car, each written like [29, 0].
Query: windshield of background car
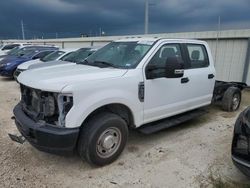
[66, 56]
[13, 51]
[52, 56]
[121, 54]
[78, 56]
[26, 52]
[10, 46]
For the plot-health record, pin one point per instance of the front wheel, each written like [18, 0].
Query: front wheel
[103, 138]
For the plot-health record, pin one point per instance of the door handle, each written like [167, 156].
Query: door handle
[210, 76]
[184, 80]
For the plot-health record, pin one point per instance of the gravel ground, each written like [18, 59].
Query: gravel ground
[194, 154]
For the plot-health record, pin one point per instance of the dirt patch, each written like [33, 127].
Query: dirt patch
[181, 156]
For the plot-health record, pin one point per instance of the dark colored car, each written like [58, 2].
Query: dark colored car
[241, 142]
[9, 64]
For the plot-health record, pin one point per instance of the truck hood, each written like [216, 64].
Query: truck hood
[55, 78]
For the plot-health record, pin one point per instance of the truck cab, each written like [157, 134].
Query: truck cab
[127, 84]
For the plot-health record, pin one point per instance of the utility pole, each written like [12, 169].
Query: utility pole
[146, 17]
[22, 27]
[100, 31]
[217, 39]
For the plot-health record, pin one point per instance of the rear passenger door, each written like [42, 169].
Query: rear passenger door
[199, 76]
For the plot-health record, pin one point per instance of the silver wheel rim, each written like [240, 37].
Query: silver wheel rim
[236, 101]
[108, 142]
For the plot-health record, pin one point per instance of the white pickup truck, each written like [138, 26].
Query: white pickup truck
[137, 83]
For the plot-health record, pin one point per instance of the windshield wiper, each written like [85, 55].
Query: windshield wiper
[100, 64]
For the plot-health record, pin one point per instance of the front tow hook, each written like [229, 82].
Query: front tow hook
[19, 139]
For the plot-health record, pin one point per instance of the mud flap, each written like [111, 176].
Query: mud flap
[20, 139]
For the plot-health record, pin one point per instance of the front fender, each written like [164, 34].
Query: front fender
[84, 106]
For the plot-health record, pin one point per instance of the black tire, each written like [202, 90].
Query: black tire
[103, 124]
[231, 99]
[13, 74]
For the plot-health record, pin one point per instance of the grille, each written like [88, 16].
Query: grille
[34, 104]
[31, 101]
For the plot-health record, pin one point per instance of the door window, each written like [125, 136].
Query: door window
[197, 56]
[158, 62]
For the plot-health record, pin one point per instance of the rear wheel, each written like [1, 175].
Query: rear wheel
[231, 99]
[103, 139]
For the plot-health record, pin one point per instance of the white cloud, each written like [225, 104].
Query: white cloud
[54, 5]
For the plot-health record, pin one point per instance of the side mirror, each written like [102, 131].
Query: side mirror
[174, 68]
[152, 72]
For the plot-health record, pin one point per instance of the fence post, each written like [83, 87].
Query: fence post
[246, 66]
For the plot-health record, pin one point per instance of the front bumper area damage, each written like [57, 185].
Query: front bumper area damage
[40, 118]
[43, 136]
[241, 142]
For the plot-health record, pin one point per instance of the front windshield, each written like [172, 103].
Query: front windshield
[20, 52]
[26, 52]
[13, 51]
[66, 56]
[52, 56]
[121, 54]
[78, 56]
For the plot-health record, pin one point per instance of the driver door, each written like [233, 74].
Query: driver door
[164, 97]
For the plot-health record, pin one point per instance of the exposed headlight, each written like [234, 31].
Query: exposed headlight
[35, 101]
[50, 106]
[65, 103]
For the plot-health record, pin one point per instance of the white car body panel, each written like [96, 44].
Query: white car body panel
[93, 87]
[3, 52]
[25, 66]
[57, 77]
[162, 102]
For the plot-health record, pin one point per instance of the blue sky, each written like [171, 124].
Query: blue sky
[70, 18]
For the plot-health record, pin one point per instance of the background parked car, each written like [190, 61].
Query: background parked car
[6, 48]
[72, 57]
[241, 144]
[9, 64]
[79, 55]
[57, 55]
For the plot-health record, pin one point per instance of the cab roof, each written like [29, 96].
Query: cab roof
[154, 39]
